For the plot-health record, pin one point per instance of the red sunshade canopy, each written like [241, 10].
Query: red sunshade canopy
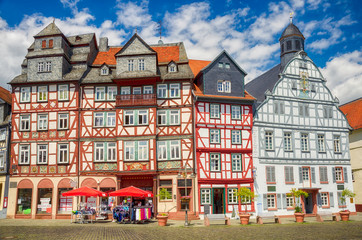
[85, 191]
[132, 192]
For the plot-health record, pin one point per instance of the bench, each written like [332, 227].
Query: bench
[259, 218]
[216, 217]
[335, 216]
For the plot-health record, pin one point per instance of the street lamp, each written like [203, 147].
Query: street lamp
[184, 175]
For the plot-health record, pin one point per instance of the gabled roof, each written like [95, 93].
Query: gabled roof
[258, 86]
[129, 43]
[5, 95]
[198, 92]
[353, 112]
[51, 29]
[197, 65]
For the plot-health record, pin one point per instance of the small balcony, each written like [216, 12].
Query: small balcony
[136, 100]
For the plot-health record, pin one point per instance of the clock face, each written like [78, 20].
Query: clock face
[304, 85]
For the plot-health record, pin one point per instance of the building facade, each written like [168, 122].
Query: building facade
[300, 135]
[352, 111]
[5, 118]
[223, 132]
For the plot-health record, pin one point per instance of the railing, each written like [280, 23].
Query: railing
[136, 100]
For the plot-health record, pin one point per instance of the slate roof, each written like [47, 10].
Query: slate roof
[291, 30]
[5, 95]
[353, 112]
[82, 39]
[197, 65]
[51, 29]
[258, 86]
[198, 92]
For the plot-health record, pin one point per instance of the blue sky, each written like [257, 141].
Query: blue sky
[248, 30]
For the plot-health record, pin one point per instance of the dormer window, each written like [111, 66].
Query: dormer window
[130, 65]
[78, 38]
[141, 64]
[227, 65]
[104, 71]
[224, 86]
[172, 67]
[221, 65]
[44, 66]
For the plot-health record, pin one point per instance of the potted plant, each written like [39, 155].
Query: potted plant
[245, 196]
[298, 211]
[162, 217]
[346, 193]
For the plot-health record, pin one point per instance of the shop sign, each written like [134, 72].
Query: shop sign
[92, 202]
[5, 205]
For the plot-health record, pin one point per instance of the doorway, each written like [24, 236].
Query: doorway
[218, 200]
[309, 205]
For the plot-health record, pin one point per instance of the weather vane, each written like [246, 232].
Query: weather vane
[291, 17]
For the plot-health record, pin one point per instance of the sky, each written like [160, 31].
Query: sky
[248, 30]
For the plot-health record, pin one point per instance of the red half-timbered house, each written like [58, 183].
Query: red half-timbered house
[223, 132]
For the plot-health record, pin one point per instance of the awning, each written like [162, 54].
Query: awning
[131, 192]
[85, 191]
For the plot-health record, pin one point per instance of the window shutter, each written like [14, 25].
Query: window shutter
[324, 112]
[313, 174]
[334, 174]
[273, 174]
[300, 110]
[265, 203]
[300, 175]
[268, 174]
[276, 111]
[339, 195]
[284, 201]
[281, 108]
[330, 112]
[286, 173]
[319, 200]
[279, 201]
[331, 199]
[291, 174]
[345, 175]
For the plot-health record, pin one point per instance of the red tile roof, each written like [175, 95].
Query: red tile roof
[197, 65]
[164, 54]
[198, 92]
[353, 112]
[5, 95]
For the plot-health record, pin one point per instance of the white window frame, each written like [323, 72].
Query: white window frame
[224, 86]
[129, 151]
[63, 121]
[98, 119]
[104, 71]
[232, 197]
[214, 110]
[147, 89]
[63, 153]
[174, 117]
[130, 114]
[337, 143]
[111, 93]
[42, 94]
[235, 136]
[162, 91]
[130, 65]
[141, 64]
[214, 136]
[162, 150]
[325, 199]
[25, 94]
[174, 90]
[289, 200]
[236, 162]
[205, 196]
[175, 149]
[142, 117]
[100, 93]
[42, 122]
[2, 134]
[48, 66]
[220, 86]
[63, 92]
[41, 67]
[111, 151]
[215, 162]
[142, 151]
[24, 154]
[25, 122]
[125, 90]
[161, 117]
[288, 146]
[271, 201]
[137, 90]
[304, 142]
[227, 86]
[42, 153]
[99, 152]
[111, 119]
[172, 68]
[227, 65]
[236, 112]
[269, 140]
[338, 171]
[321, 143]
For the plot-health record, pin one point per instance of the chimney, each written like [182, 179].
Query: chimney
[103, 44]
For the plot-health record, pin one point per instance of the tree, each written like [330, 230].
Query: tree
[245, 195]
[296, 195]
[164, 194]
[346, 193]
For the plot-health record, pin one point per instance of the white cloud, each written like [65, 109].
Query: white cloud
[344, 76]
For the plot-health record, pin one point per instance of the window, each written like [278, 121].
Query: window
[282, 48]
[304, 142]
[63, 92]
[2, 159]
[174, 90]
[42, 122]
[338, 174]
[337, 144]
[162, 90]
[98, 119]
[44, 44]
[111, 119]
[125, 90]
[289, 45]
[321, 143]
[294, 85]
[48, 66]
[289, 201]
[221, 65]
[147, 90]
[168, 117]
[63, 120]
[143, 150]
[141, 64]
[142, 117]
[303, 110]
[65, 204]
[111, 92]
[129, 151]
[161, 117]
[24, 154]
[174, 117]
[214, 111]
[175, 149]
[128, 118]
[313, 88]
[24, 122]
[271, 201]
[288, 141]
[24, 200]
[232, 198]
[104, 71]
[325, 199]
[51, 43]
[130, 65]
[224, 86]
[137, 90]
[44, 205]
[104, 152]
[270, 174]
[305, 174]
[100, 93]
[63, 152]
[289, 174]
[214, 135]
[166, 184]
[42, 93]
[227, 65]
[327, 112]
[235, 112]
[42, 154]
[25, 94]
[215, 162]
[162, 150]
[236, 162]
[297, 45]
[172, 68]
[278, 107]
[323, 175]
[205, 196]
[2, 134]
[235, 136]
[136, 151]
[40, 67]
[269, 141]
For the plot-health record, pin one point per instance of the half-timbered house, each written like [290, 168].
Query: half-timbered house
[223, 134]
[300, 135]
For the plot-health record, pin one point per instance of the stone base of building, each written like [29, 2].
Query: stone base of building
[358, 207]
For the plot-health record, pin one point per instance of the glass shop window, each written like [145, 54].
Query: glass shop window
[44, 201]
[65, 205]
[24, 201]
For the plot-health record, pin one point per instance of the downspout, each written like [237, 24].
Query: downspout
[80, 95]
[194, 99]
[7, 159]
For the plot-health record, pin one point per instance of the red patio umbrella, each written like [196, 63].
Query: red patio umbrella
[132, 192]
[85, 191]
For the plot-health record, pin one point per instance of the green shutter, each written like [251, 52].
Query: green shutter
[136, 150]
